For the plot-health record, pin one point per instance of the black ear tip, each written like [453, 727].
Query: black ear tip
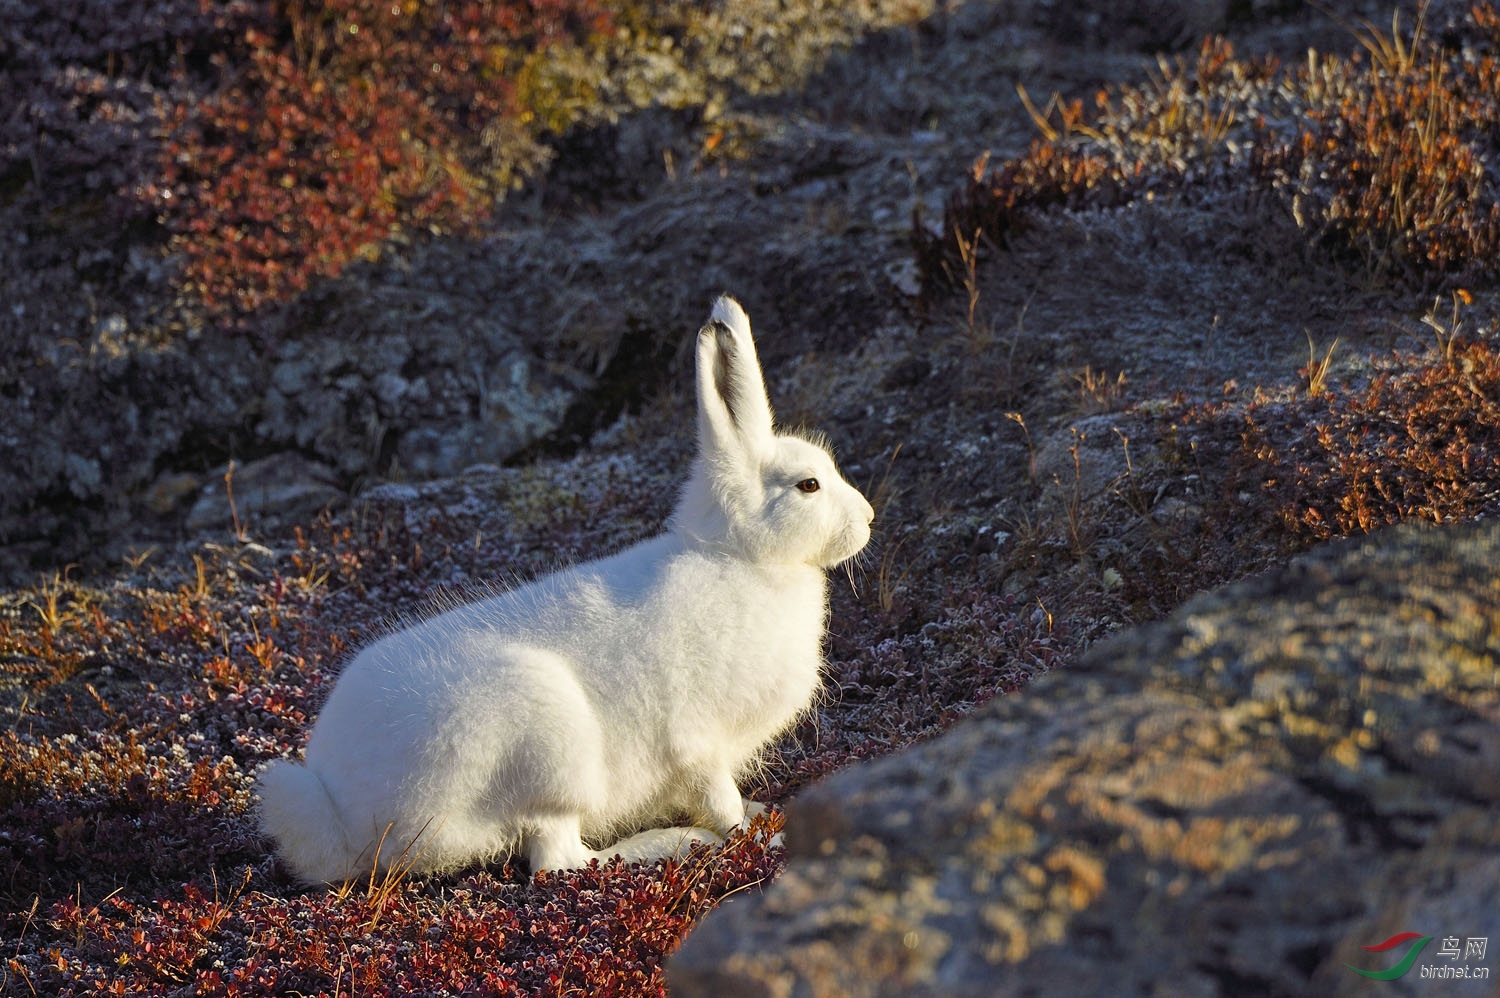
[723, 335]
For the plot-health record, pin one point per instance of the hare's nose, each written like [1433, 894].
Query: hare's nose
[869, 511]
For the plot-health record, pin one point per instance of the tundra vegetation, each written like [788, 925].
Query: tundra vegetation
[1049, 459]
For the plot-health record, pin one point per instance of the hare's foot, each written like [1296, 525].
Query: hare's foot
[658, 843]
[555, 844]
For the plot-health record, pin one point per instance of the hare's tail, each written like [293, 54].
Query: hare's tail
[299, 813]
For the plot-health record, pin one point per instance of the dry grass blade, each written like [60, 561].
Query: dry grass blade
[385, 880]
[968, 255]
[890, 576]
[1391, 52]
[49, 609]
[1019, 420]
[1128, 486]
[14, 965]
[1447, 332]
[1316, 371]
[884, 493]
[1098, 390]
[1215, 126]
[1039, 118]
[234, 511]
[1080, 532]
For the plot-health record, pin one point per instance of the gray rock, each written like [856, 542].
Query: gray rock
[430, 452]
[292, 376]
[170, 489]
[1233, 800]
[281, 488]
[82, 474]
[1092, 456]
[419, 363]
[1146, 25]
[389, 388]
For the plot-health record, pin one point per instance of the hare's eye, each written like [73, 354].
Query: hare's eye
[809, 485]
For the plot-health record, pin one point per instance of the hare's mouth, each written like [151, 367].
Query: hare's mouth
[849, 542]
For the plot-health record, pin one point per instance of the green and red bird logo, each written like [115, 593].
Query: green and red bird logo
[1391, 943]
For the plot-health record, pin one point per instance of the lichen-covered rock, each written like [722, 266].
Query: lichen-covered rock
[1235, 799]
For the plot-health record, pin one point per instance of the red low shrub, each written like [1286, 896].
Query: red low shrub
[344, 124]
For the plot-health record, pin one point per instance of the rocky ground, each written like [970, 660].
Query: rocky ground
[1108, 413]
[453, 352]
[1234, 800]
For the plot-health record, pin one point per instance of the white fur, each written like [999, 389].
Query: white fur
[603, 699]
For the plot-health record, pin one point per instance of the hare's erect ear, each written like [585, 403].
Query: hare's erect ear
[733, 411]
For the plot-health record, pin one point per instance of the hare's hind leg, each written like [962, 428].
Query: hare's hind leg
[555, 844]
[658, 843]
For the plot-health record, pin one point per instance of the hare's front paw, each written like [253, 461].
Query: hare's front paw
[719, 805]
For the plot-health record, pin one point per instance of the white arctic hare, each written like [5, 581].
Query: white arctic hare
[603, 699]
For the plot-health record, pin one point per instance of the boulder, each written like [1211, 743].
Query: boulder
[417, 371]
[1239, 799]
[280, 489]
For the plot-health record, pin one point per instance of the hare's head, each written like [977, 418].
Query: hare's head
[766, 496]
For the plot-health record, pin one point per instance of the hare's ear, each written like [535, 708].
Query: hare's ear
[733, 411]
